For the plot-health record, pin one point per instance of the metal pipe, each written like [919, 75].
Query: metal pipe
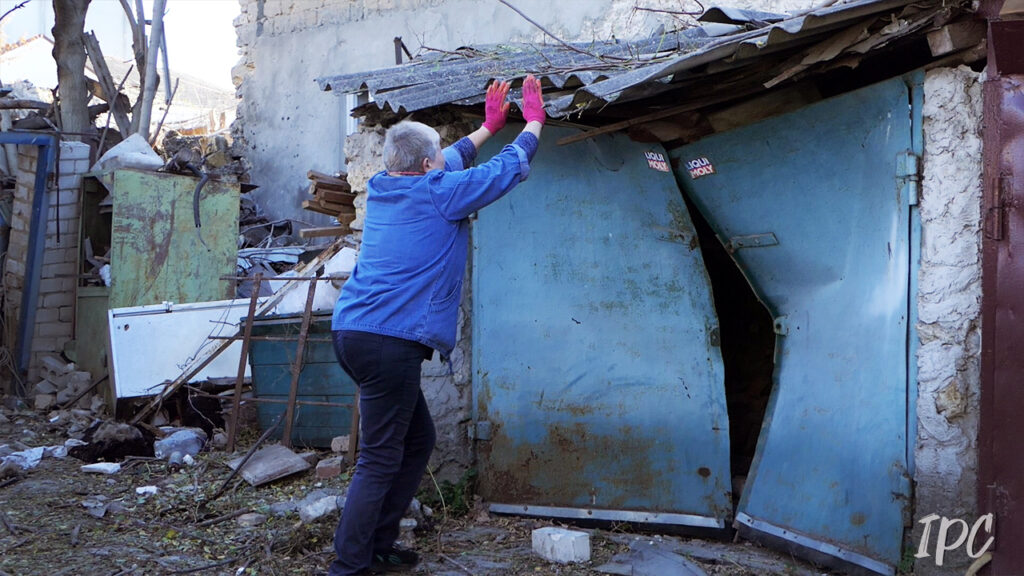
[36, 238]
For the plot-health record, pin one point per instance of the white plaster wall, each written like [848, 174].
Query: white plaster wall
[949, 308]
[286, 125]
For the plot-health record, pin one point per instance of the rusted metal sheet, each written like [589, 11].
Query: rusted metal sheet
[598, 380]
[1001, 463]
[815, 206]
[157, 253]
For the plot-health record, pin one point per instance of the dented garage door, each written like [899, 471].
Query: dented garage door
[814, 207]
[597, 377]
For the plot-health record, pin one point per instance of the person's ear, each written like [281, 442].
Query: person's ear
[425, 165]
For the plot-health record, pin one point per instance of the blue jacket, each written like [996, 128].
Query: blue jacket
[407, 281]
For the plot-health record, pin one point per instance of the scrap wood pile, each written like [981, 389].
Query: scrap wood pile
[333, 196]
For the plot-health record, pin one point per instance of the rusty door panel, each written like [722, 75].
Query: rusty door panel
[598, 380]
[157, 254]
[813, 208]
[1001, 463]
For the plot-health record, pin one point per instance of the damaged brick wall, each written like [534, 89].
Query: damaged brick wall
[55, 314]
[949, 308]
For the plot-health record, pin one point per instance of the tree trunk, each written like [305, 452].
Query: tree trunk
[69, 53]
[149, 86]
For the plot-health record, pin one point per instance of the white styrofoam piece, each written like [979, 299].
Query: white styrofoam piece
[337, 268]
[560, 545]
[150, 345]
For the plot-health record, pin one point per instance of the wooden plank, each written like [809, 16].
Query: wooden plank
[343, 198]
[325, 178]
[324, 232]
[328, 208]
[314, 206]
[342, 187]
[269, 464]
[110, 93]
[955, 37]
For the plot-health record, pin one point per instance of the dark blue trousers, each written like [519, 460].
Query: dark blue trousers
[396, 439]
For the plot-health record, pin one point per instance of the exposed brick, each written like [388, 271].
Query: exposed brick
[51, 285]
[47, 315]
[16, 267]
[66, 269]
[55, 329]
[74, 151]
[330, 467]
[62, 255]
[58, 299]
[46, 344]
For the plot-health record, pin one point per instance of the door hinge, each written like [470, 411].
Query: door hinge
[1000, 190]
[908, 174]
[480, 430]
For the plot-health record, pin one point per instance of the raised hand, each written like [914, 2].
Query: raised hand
[495, 106]
[533, 105]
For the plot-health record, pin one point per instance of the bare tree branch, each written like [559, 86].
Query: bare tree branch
[22, 5]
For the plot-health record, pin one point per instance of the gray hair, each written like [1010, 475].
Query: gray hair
[407, 144]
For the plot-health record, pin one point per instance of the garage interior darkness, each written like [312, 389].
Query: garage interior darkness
[747, 342]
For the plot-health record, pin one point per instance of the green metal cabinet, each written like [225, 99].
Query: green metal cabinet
[156, 252]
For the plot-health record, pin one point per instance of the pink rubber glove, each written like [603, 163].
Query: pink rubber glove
[495, 107]
[533, 105]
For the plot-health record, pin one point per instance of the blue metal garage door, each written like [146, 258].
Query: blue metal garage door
[597, 377]
[815, 209]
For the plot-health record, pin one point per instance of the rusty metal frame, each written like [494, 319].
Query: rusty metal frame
[1000, 464]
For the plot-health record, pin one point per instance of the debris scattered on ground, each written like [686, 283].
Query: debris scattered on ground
[270, 463]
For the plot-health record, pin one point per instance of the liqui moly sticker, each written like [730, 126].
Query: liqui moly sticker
[656, 160]
[700, 167]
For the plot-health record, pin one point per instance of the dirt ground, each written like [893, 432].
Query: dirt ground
[57, 520]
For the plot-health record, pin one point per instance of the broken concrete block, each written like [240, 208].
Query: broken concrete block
[561, 545]
[45, 387]
[317, 508]
[85, 402]
[102, 468]
[185, 441]
[310, 457]
[65, 395]
[330, 468]
[45, 401]
[56, 451]
[98, 405]
[339, 444]
[146, 490]
[251, 519]
[53, 366]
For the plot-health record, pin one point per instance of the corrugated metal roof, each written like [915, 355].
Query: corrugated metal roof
[587, 75]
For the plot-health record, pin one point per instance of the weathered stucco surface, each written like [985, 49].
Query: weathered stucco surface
[949, 308]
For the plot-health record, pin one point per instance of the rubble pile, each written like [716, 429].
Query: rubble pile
[64, 386]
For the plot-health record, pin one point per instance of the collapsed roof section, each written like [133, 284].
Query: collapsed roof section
[757, 50]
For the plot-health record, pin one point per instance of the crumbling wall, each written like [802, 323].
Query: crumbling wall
[55, 314]
[949, 309]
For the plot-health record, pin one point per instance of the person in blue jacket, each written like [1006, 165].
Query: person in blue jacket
[401, 303]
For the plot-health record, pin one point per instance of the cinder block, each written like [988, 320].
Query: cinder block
[66, 313]
[47, 315]
[54, 329]
[58, 299]
[340, 444]
[561, 545]
[74, 151]
[329, 468]
[51, 285]
[58, 269]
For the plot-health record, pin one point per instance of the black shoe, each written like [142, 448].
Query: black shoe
[394, 559]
